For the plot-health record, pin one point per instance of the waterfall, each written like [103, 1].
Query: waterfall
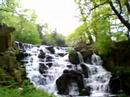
[45, 65]
[98, 78]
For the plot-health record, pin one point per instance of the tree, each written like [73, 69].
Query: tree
[118, 8]
[22, 20]
[104, 19]
[51, 37]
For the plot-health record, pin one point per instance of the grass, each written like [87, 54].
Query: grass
[24, 91]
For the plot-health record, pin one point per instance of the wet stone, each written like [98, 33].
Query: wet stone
[42, 68]
[49, 58]
[61, 54]
[69, 66]
[41, 55]
[49, 64]
[85, 70]
[51, 49]
[74, 57]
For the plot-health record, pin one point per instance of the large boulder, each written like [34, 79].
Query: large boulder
[67, 78]
[74, 57]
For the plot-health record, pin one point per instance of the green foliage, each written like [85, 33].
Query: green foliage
[26, 90]
[54, 39]
[100, 23]
[80, 34]
[102, 27]
[119, 36]
[23, 21]
[27, 31]
[73, 56]
[103, 45]
[50, 37]
[70, 50]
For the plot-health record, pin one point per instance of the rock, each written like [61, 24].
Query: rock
[120, 84]
[62, 85]
[69, 66]
[49, 64]
[66, 78]
[61, 54]
[18, 74]
[10, 68]
[85, 91]
[49, 58]
[86, 50]
[114, 84]
[125, 81]
[20, 44]
[21, 55]
[84, 70]
[51, 49]
[41, 55]
[74, 57]
[42, 68]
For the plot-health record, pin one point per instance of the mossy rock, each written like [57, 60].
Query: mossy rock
[17, 75]
[74, 57]
[10, 67]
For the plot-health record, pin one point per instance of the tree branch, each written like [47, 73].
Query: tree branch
[128, 7]
[126, 23]
[96, 6]
[120, 6]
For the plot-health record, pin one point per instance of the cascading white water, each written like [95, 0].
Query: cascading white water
[98, 78]
[53, 65]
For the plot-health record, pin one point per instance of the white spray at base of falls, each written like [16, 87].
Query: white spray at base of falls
[98, 78]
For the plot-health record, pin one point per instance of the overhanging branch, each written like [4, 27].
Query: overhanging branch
[96, 6]
[125, 22]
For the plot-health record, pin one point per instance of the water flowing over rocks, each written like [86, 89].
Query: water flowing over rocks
[52, 69]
